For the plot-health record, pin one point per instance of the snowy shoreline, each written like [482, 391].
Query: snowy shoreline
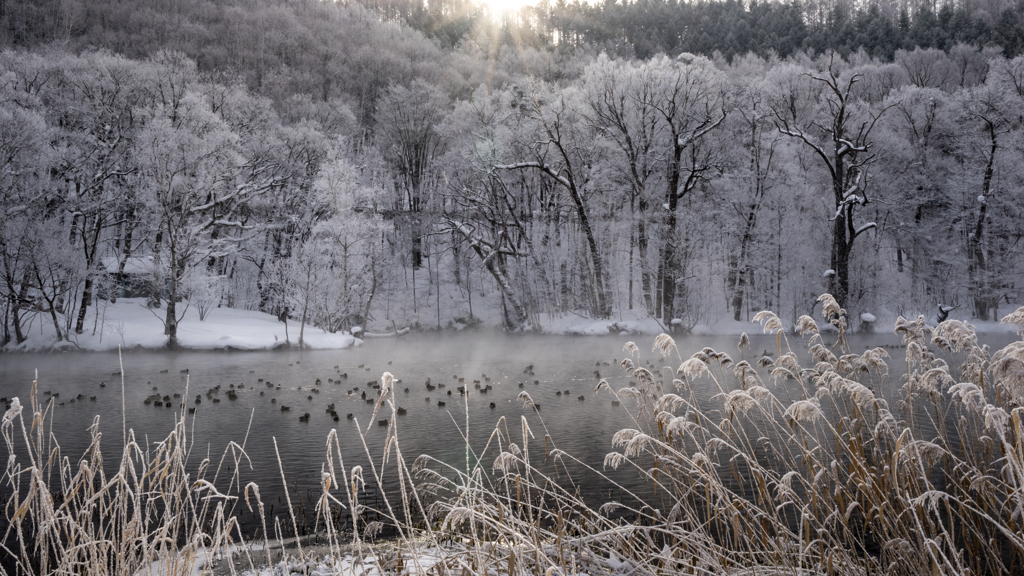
[129, 325]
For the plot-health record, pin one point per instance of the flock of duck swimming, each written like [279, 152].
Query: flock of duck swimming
[368, 393]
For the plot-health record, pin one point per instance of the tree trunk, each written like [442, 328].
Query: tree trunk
[56, 321]
[22, 297]
[171, 324]
[839, 260]
[839, 281]
[126, 253]
[373, 290]
[305, 308]
[515, 318]
[736, 285]
[417, 244]
[19, 337]
[90, 261]
[667, 271]
[84, 305]
[16, 318]
[155, 297]
[978, 269]
[171, 319]
[645, 274]
[456, 261]
[632, 248]
[603, 305]
[739, 269]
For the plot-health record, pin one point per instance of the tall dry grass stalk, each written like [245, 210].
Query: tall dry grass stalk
[829, 480]
[67, 517]
[790, 469]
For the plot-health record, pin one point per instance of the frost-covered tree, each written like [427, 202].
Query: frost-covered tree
[349, 246]
[25, 157]
[197, 181]
[203, 290]
[917, 174]
[621, 108]
[991, 113]
[300, 278]
[181, 153]
[689, 97]
[753, 176]
[486, 212]
[555, 141]
[837, 128]
[92, 101]
[927, 68]
[56, 273]
[407, 123]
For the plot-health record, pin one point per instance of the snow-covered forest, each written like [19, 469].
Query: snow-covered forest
[316, 160]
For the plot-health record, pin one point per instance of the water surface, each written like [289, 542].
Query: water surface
[563, 369]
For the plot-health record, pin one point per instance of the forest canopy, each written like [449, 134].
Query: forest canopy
[280, 29]
[662, 159]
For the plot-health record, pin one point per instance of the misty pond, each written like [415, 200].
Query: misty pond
[565, 371]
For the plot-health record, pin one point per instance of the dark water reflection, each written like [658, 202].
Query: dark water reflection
[560, 363]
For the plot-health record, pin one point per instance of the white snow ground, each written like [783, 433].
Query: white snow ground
[129, 324]
[248, 560]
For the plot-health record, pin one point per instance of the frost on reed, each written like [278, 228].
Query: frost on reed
[159, 511]
[67, 517]
[796, 469]
[820, 467]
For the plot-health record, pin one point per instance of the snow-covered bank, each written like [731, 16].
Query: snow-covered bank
[129, 324]
[724, 325]
[446, 306]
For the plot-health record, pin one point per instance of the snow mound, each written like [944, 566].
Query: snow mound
[130, 324]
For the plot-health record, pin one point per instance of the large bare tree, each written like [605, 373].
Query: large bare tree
[837, 130]
[689, 97]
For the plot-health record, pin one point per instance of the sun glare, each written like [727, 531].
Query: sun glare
[498, 7]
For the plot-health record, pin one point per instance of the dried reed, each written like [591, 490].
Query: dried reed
[831, 480]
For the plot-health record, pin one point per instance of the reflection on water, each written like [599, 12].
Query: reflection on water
[564, 369]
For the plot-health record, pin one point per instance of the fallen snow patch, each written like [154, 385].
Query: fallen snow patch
[130, 324]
